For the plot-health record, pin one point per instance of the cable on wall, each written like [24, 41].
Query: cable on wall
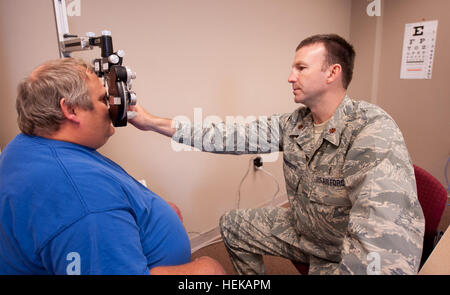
[257, 163]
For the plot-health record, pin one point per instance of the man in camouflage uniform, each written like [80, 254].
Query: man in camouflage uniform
[349, 178]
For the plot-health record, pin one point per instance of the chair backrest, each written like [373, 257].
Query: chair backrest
[433, 198]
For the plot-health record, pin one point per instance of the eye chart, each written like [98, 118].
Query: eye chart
[418, 50]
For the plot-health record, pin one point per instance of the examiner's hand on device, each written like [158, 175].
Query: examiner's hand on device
[142, 118]
[145, 121]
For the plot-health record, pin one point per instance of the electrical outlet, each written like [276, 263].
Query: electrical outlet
[257, 162]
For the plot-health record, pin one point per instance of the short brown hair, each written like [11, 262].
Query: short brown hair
[339, 51]
[39, 95]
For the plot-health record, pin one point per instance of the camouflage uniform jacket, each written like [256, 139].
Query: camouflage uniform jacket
[352, 193]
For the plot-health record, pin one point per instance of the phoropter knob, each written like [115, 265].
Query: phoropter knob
[114, 59]
[133, 98]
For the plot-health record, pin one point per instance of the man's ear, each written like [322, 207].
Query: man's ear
[334, 71]
[69, 112]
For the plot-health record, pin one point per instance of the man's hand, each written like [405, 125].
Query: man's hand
[145, 121]
[142, 120]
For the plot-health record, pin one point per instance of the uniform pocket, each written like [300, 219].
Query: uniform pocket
[329, 208]
[329, 191]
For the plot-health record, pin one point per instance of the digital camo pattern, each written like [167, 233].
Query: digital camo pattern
[352, 195]
[246, 253]
[237, 135]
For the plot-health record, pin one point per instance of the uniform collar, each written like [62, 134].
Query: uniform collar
[332, 132]
[337, 122]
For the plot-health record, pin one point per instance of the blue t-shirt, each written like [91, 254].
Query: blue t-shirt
[66, 209]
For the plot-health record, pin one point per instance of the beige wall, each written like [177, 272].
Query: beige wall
[363, 32]
[27, 38]
[228, 57]
[421, 108]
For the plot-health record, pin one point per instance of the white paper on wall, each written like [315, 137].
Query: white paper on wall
[418, 50]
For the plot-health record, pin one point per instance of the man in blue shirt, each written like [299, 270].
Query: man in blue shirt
[65, 208]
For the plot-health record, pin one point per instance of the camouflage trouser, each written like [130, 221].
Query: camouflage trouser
[250, 233]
